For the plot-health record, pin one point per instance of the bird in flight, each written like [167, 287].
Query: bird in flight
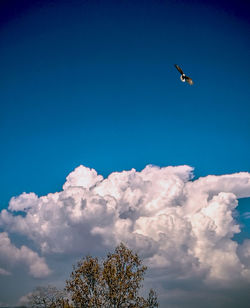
[183, 76]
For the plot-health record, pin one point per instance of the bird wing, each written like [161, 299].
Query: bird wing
[179, 69]
[189, 80]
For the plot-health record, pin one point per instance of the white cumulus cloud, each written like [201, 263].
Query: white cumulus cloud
[183, 228]
[12, 255]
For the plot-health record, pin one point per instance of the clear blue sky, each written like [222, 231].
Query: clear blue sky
[93, 83]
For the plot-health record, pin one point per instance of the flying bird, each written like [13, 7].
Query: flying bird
[183, 76]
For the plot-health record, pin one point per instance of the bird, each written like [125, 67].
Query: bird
[183, 76]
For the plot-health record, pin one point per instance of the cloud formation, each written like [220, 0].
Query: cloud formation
[183, 228]
[12, 255]
[4, 272]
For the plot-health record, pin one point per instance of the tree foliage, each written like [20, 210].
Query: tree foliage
[85, 285]
[113, 283]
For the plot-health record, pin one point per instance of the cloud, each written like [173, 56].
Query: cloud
[82, 177]
[25, 299]
[244, 253]
[24, 255]
[183, 228]
[23, 202]
[246, 215]
[4, 272]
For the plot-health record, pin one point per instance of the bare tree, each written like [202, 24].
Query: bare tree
[113, 283]
[152, 299]
[47, 297]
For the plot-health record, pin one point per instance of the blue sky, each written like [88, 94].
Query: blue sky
[94, 83]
